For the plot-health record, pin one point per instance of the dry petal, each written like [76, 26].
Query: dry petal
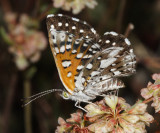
[138, 108]
[147, 118]
[145, 93]
[127, 127]
[140, 128]
[156, 76]
[76, 5]
[21, 62]
[131, 118]
[93, 110]
[111, 101]
[156, 104]
[76, 117]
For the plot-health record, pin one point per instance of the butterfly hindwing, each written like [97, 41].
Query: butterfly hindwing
[115, 59]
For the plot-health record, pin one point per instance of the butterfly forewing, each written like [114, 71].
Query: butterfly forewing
[71, 42]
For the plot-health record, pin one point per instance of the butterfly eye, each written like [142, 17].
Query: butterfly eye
[65, 95]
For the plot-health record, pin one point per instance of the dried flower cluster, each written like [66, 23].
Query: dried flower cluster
[73, 125]
[75, 5]
[110, 115]
[26, 41]
[153, 92]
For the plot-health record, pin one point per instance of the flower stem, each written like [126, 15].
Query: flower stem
[148, 100]
[27, 109]
[120, 15]
[8, 104]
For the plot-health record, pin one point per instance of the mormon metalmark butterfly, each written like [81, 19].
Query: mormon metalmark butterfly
[88, 65]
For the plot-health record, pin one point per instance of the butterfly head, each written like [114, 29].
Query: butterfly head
[65, 95]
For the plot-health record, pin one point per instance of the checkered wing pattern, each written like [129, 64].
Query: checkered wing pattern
[70, 40]
[116, 59]
[87, 63]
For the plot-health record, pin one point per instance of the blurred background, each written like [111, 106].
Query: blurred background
[27, 66]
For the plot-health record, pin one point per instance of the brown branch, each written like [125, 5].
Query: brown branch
[41, 120]
[44, 14]
[129, 28]
[5, 4]
[27, 109]
[120, 16]
[8, 104]
[148, 100]
[107, 14]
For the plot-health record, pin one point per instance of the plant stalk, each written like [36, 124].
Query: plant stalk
[27, 109]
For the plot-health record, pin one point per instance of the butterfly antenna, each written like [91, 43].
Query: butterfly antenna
[43, 92]
[38, 95]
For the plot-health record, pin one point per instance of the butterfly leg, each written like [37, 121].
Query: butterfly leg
[77, 104]
[90, 103]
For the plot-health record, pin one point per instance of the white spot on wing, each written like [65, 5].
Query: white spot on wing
[113, 64]
[83, 80]
[68, 46]
[117, 72]
[93, 30]
[115, 52]
[113, 43]
[107, 41]
[76, 42]
[52, 26]
[87, 36]
[94, 73]
[66, 63]
[69, 74]
[66, 24]
[74, 51]
[90, 49]
[85, 45]
[73, 27]
[100, 40]
[85, 57]
[89, 66]
[85, 22]
[113, 33]
[57, 50]
[93, 46]
[113, 69]
[79, 55]
[81, 30]
[89, 56]
[99, 58]
[97, 45]
[80, 67]
[75, 19]
[107, 62]
[106, 33]
[62, 49]
[127, 41]
[60, 15]
[131, 50]
[59, 24]
[50, 15]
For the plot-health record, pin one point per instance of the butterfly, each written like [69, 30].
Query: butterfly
[88, 65]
